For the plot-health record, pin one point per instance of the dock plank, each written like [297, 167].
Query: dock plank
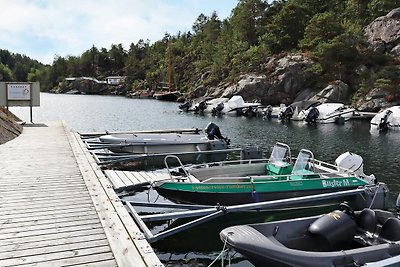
[55, 211]
[129, 179]
[116, 222]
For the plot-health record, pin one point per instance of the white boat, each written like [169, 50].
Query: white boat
[386, 119]
[270, 112]
[328, 113]
[197, 105]
[158, 143]
[216, 105]
[236, 106]
[296, 111]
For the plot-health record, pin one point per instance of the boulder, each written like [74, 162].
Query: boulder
[284, 78]
[374, 101]
[337, 91]
[86, 85]
[248, 86]
[383, 33]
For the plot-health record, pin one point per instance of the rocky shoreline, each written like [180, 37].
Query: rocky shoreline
[289, 77]
[9, 126]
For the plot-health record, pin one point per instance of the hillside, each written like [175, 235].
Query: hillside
[9, 128]
[274, 52]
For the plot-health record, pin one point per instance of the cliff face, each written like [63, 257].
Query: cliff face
[9, 128]
[383, 34]
[286, 78]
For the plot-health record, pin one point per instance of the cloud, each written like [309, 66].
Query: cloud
[42, 29]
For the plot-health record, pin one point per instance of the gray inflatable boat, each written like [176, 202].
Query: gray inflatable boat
[340, 238]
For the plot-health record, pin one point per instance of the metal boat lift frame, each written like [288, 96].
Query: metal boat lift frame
[103, 158]
[92, 135]
[207, 213]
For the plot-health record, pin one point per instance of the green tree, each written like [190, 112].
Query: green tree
[117, 57]
[21, 71]
[5, 73]
[287, 28]
[248, 20]
[317, 33]
[377, 8]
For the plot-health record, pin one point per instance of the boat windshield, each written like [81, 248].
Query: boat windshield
[279, 155]
[302, 162]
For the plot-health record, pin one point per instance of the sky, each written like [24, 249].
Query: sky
[43, 29]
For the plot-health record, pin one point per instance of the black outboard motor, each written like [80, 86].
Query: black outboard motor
[218, 109]
[287, 114]
[213, 132]
[268, 112]
[250, 112]
[312, 115]
[185, 106]
[201, 107]
[383, 124]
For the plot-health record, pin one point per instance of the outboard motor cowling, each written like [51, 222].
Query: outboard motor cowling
[287, 114]
[354, 163]
[312, 115]
[218, 109]
[213, 132]
[201, 107]
[384, 124]
[185, 106]
[267, 113]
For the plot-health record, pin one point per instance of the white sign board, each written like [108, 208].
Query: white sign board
[19, 91]
[19, 94]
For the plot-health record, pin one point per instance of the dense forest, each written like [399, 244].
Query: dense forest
[215, 50]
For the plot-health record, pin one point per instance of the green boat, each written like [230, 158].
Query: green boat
[278, 177]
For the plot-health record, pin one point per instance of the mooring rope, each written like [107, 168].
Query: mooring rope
[148, 194]
[375, 194]
[224, 249]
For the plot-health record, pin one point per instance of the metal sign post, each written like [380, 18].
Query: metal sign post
[20, 94]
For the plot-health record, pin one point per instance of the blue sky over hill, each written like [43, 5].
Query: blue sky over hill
[42, 29]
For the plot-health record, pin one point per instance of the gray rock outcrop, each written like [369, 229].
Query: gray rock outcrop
[283, 80]
[383, 34]
[337, 91]
[375, 100]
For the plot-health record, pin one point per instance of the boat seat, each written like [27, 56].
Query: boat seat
[366, 220]
[390, 230]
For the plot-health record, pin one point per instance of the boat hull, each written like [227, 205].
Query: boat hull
[335, 239]
[227, 199]
[161, 143]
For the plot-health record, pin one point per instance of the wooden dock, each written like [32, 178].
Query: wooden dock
[126, 180]
[58, 209]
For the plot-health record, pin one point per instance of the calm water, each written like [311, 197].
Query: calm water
[86, 113]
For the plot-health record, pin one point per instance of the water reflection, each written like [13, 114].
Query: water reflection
[99, 113]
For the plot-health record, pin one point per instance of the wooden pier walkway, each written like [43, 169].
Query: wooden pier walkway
[58, 209]
[126, 180]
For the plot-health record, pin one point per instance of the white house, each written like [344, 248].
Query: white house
[115, 80]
